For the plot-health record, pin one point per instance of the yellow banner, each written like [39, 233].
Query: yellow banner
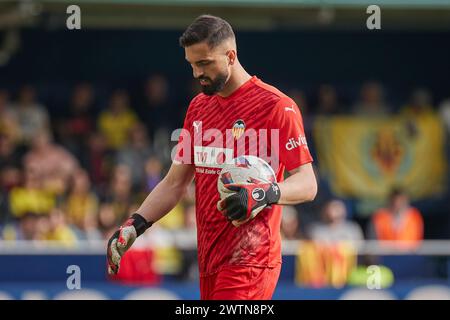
[366, 157]
[324, 264]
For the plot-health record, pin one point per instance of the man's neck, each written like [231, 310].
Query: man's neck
[237, 79]
[399, 211]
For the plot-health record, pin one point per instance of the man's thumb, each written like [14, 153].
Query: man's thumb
[233, 187]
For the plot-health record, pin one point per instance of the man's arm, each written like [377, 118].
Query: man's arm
[167, 193]
[300, 186]
[157, 204]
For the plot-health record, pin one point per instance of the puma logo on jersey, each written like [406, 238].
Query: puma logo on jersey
[196, 125]
[291, 108]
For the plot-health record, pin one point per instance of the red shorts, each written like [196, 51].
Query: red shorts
[240, 283]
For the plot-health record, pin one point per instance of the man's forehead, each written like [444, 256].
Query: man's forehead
[200, 51]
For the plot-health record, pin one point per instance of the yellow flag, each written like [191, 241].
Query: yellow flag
[366, 157]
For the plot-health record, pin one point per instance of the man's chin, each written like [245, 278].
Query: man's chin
[208, 90]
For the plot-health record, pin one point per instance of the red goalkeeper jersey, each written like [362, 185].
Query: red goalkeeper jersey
[256, 119]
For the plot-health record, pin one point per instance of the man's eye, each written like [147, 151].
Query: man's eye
[204, 63]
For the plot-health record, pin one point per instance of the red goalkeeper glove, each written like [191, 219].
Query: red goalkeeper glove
[122, 240]
[247, 200]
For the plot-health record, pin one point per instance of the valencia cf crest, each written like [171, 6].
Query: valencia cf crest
[238, 128]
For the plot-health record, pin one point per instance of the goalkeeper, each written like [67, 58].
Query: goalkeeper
[235, 262]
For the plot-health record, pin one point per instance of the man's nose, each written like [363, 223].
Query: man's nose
[197, 72]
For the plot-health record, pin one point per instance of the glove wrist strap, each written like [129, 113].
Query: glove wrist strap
[140, 224]
[273, 194]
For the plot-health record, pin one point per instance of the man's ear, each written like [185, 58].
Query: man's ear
[231, 54]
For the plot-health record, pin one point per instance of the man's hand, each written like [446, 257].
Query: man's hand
[247, 201]
[122, 240]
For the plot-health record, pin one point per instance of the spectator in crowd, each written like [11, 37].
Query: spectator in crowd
[5, 215]
[91, 229]
[31, 116]
[290, 225]
[116, 121]
[25, 228]
[98, 161]
[9, 164]
[444, 111]
[77, 123]
[52, 162]
[120, 194]
[190, 218]
[300, 99]
[9, 157]
[8, 122]
[334, 226]
[371, 101]
[156, 109]
[420, 104]
[327, 101]
[31, 197]
[153, 173]
[135, 154]
[308, 212]
[160, 114]
[55, 228]
[82, 204]
[180, 102]
[107, 219]
[399, 221]
[189, 270]
[189, 196]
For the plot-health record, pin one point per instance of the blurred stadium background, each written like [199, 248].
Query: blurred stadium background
[86, 118]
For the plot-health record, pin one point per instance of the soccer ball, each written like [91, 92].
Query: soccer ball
[244, 170]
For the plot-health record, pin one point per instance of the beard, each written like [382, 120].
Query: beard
[215, 85]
